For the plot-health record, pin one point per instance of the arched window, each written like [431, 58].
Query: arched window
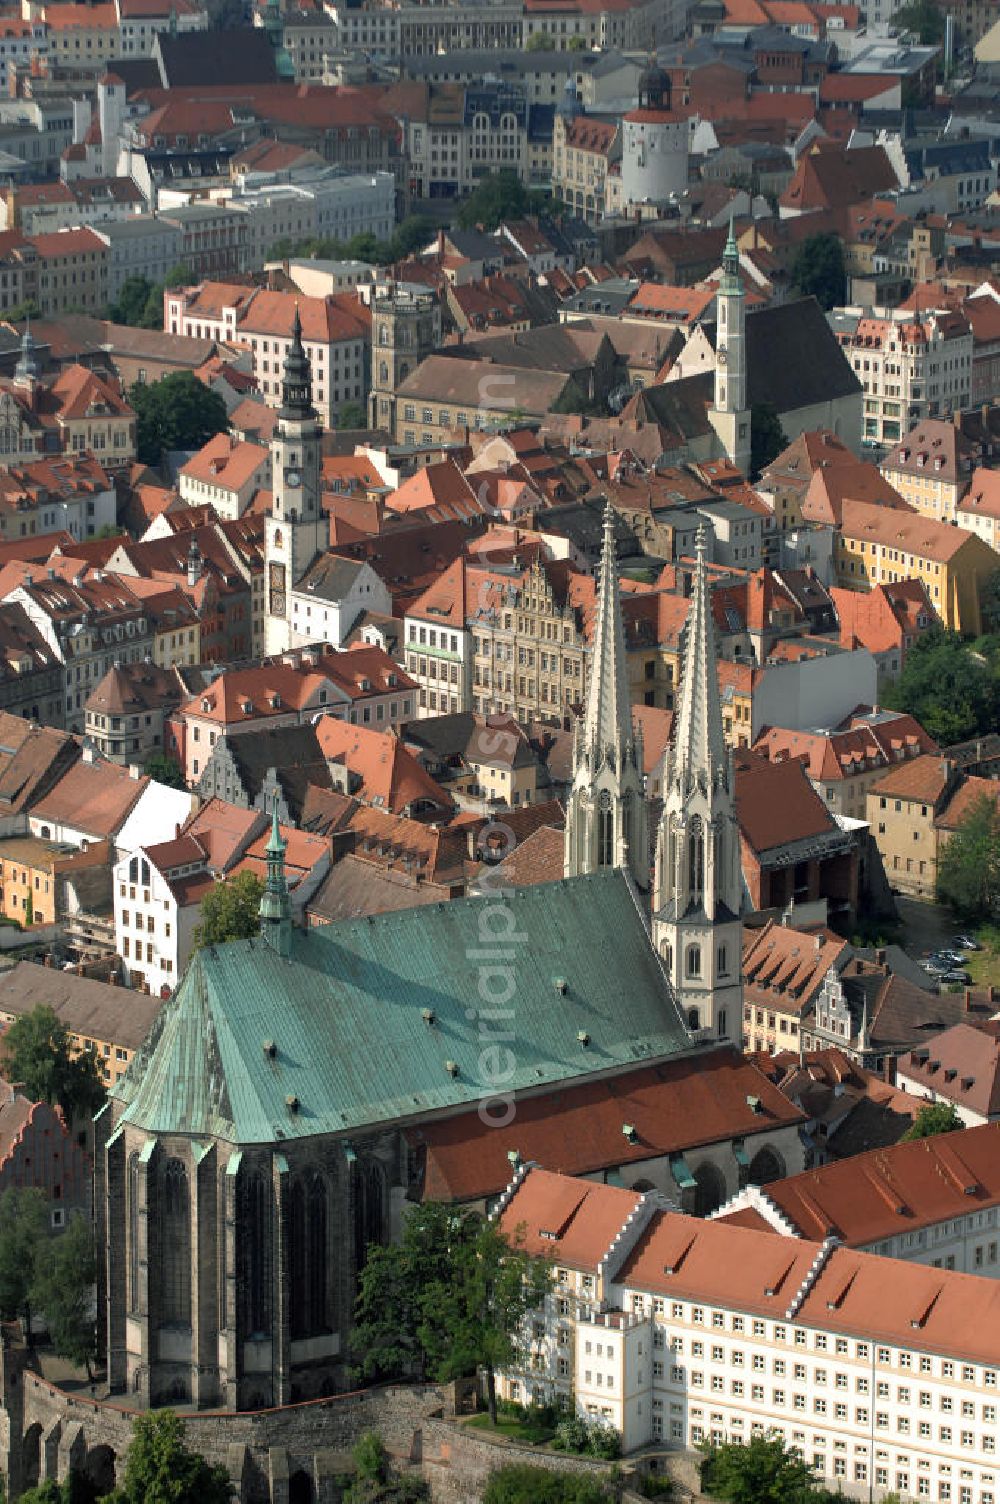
[256, 1232]
[308, 1254]
[766, 1165]
[383, 334]
[175, 1234]
[667, 954]
[692, 961]
[145, 873]
[133, 870]
[133, 1232]
[279, 541]
[627, 822]
[696, 859]
[694, 1018]
[383, 373]
[711, 1190]
[723, 1031]
[722, 960]
[605, 842]
[369, 1210]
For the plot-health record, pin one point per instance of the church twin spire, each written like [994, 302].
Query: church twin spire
[699, 753]
[606, 812]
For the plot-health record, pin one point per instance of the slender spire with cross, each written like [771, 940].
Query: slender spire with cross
[699, 750]
[275, 907]
[608, 721]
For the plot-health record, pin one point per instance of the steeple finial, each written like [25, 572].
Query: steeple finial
[608, 721]
[699, 751]
[275, 908]
[296, 377]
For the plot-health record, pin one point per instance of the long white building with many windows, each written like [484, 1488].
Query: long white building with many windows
[883, 1374]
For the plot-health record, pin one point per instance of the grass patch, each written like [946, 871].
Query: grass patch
[532, 1432]
[983, 965]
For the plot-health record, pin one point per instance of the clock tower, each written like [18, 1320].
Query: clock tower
[297, 528]
[729, 413]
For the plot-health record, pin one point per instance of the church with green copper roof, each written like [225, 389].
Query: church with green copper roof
[268, 1131]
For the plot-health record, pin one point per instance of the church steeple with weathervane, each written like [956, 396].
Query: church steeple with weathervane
[698, 882]
[606, 813]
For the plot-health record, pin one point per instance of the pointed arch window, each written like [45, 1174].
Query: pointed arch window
[696, 859]
[692, 962]
[175, 1278]
[605, 830]
[256, 1232]
[308, 1218]
[627, 823]
[133, 1232]
[369, 1210]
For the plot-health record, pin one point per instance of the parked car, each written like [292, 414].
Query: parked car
[957, 976]
[966, 942]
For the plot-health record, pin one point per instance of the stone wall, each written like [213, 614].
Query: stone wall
[289, 1455]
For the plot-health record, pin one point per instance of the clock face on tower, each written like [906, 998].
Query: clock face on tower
[293, 479]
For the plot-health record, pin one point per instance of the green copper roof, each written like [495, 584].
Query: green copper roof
[389, 1017]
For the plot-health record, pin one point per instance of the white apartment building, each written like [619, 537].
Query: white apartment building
[438, 645]
[911, 366]
[335, 337]
[883, 1374]
[157, 895]
[317, 201]
[329, 598]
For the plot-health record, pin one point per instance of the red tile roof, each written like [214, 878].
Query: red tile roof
[578, 1131]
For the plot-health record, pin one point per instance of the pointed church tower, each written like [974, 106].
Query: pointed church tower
[729, 413]
[606, 814]
[698, 882]
[296, 528]
[275, 908]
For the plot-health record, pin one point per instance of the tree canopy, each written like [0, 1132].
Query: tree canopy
[761, 1471]
[50, 1274]
[523, 1483]
[161, 1469]
[449, 1298]
[924, 19]
[24, 1226]
[411, 234]
[230, 910]
[500, 196]
[140, 301]
[176, 412]
[818, 270]
[934, 1118]
[952, 690]
[38, 1056]
[968, 872]
[62, 1288]
[767, 437]
[166, 770]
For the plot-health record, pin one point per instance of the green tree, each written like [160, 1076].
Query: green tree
[952, 691]
[934, 1118]
[166, 770]
[177, 412]
[576, 44]
[968, 872]
[62, 1288]
[29, 910]
[761, 1471]
[352, 415]
[448, 1299]
[500, 196]
[539, 41]
[767, 437]
[37, 1054]
[818, 270]
[523, 1483]
[230, 910]
[161, 1469]
[924, 19]
[130, 304]
[24, 1227]
[28, 309]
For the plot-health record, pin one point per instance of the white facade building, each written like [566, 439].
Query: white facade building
[883, 1374]
[157, 895]
[911, 366]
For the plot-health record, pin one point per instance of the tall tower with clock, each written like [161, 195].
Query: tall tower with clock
[729, 413]
[296, 529]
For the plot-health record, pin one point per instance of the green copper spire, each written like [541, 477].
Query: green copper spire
[275, 908]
